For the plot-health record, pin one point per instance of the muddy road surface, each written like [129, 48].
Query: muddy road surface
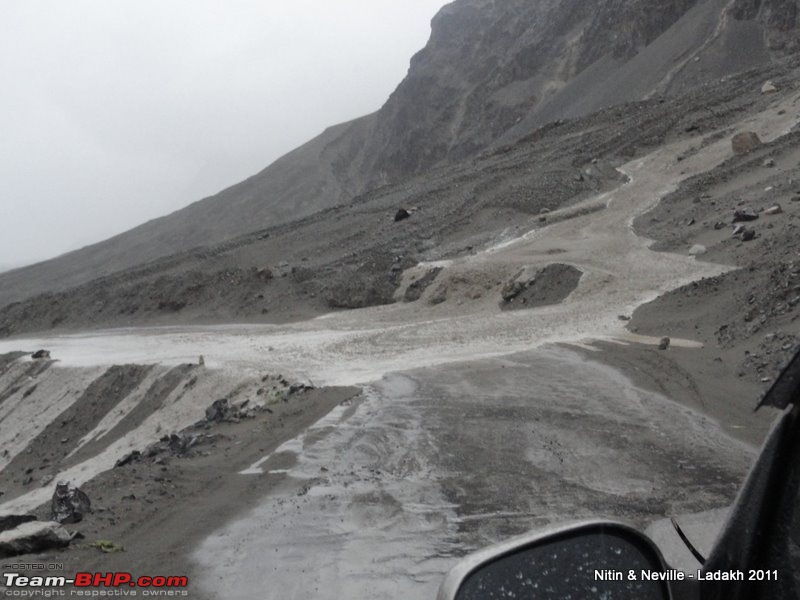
[380, 498]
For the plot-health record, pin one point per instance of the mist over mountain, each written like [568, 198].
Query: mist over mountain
[492, 73]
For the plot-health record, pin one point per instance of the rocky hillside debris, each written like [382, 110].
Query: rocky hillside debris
[41, 355]
[193, 441]
[697, 250]
[401, 215]
[183, 444]
[745, 142]
[32, 537]
[771, 297]
[13, 521]
[664, 343]
[69, 504]
[769, 88]
[533, 288]
[770, 356]
[417, 287]
[223, 411]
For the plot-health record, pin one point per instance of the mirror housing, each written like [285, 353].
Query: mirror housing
[602, 559]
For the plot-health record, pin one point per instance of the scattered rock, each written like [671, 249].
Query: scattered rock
[624, 317]
[69, 504]
[664, 343]
[744, 214]
[697, 250]
[738, 230]
[33, 536]
[218, 411]
[745, 142]
[774, 210]
[769, 163]
[401, 215]
[41, 354]
[129, 458]
[748, 235]
[201, 361]
[179, 443]
[769, 88]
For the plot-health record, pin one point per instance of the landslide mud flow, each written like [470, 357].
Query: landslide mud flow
[464, 442]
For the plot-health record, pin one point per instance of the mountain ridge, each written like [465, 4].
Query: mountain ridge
[491, 73]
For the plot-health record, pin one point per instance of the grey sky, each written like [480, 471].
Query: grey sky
[116, 112]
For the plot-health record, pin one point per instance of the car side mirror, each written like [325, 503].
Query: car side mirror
[588, 560]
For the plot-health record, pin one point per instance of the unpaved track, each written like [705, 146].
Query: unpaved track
[384, 496]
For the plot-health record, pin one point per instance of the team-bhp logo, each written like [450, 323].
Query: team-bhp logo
[150, 585]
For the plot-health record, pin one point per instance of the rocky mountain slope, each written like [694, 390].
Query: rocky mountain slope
[491, 74]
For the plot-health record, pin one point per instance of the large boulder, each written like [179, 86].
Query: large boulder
[69, 504]
[745, 142]
[34, 536]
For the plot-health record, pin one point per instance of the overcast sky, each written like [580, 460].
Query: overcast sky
[113, 112]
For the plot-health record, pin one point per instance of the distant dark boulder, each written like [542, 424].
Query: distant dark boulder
[401, 215]
[41, 354]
